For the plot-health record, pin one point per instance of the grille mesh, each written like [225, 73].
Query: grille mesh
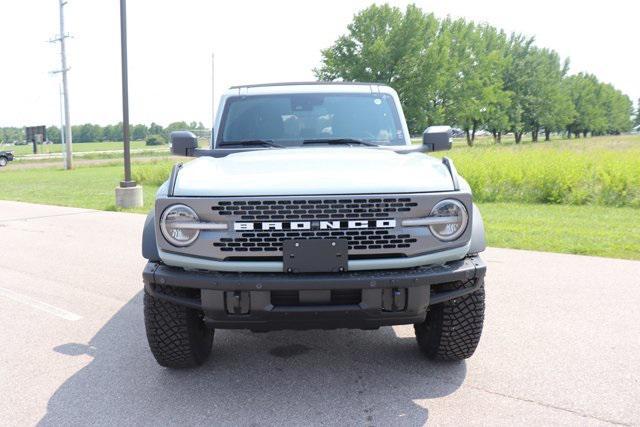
[363, 242]
[278, 210]
[272, 241]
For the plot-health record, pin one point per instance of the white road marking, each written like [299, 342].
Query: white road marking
[14, 296]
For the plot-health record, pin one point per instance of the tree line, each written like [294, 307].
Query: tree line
[473, 76]
[89, 132]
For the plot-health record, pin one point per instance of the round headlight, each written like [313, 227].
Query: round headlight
[459, 218]
[175, 222]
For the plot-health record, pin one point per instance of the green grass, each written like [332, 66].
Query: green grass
[584, 230]
[86, 187]
[597, 171]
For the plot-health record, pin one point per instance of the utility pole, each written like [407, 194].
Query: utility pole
[125, 96]
[68, 160]
[128, 194]
[213, 101]
[213, 90]
[62, 140]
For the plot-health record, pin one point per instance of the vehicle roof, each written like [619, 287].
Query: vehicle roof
[309, 87]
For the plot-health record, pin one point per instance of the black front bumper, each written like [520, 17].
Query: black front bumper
[356, 299]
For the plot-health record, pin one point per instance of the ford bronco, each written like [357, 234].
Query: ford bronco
[311, 209]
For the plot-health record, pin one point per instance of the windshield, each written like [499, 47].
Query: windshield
[293, 119]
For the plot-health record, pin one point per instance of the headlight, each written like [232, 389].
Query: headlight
[456, 223]
[178, 225]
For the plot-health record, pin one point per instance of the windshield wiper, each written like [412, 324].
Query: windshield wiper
[252, 143]
[338, 141]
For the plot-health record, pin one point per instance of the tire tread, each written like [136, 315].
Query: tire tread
[172, 331]
[452, 329]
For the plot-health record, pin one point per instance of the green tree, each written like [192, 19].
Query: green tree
[583, 90]
[475, 72]
[176, 126]
[113, 132]
[155, 129]
[548, 106]
[539, 96]
[87, 133]
[11, 135]
[383, 45]
[616, 110]
[139, 132]
[379, 39]
[53, 134]
[473, 76]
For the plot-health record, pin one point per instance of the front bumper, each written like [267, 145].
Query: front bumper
[356, 299]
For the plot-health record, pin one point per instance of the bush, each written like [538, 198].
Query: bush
[156, 140]
[153, 173]
[572, 173]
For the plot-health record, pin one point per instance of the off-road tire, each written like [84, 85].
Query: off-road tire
[452, 329]
[177, 335]
[3, 161]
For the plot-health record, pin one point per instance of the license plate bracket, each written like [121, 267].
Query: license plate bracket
[315, 255]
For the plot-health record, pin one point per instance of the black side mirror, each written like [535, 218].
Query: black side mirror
[183, 143]
[437, 138]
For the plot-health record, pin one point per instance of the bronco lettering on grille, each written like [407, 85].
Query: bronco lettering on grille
[314, 225]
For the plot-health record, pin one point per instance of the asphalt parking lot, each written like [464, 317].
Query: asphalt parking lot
[561, 345]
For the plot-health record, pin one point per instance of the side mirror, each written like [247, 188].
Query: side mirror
[437, 138]
[183, 143]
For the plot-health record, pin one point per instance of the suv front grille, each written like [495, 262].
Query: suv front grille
[272, 241]
[363, 243]
[338, 208]
[258, 226]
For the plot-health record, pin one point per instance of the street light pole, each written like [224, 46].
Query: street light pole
[125, 97]
[128, 194]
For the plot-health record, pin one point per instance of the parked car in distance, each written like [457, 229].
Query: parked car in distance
[5, 157]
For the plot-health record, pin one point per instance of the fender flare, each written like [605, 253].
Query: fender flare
[149, 246]
[478, 242]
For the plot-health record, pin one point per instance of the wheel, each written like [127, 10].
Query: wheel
[452, 329]
[3, 161]
[177, 335]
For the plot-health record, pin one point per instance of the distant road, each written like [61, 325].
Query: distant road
[87, 153]
[49, 163]
[560, 345]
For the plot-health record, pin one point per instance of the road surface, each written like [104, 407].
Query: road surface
[561, 345]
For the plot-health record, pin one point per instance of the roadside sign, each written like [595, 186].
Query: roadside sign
[36, 135]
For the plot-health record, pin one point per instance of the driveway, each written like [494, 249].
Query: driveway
[561, 345]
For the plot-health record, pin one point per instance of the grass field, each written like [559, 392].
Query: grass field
[85, 186]
[584, 230]
[589, 189]
[597, 171]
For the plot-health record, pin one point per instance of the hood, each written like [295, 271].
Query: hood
[312, 170]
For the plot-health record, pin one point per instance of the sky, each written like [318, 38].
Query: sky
[171, 43]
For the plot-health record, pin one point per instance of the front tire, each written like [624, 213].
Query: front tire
[177, 335]
[452, 329]
[3, 161]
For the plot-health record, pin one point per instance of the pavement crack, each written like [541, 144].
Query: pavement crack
[548, 405]
[48, 216]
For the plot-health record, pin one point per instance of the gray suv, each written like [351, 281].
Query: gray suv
[311, 209]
